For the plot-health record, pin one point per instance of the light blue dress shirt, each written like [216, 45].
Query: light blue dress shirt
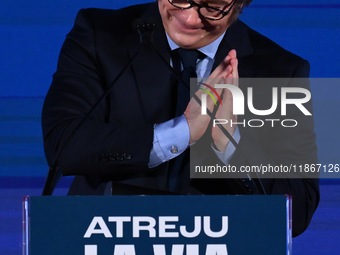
[171, 138]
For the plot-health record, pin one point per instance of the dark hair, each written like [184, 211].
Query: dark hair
[246, 2]
[238, 8]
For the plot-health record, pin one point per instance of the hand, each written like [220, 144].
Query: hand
[225, 111]
[198, 123]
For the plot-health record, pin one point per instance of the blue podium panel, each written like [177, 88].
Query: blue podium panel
[157, 225]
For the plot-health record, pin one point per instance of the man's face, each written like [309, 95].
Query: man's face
[190, 30]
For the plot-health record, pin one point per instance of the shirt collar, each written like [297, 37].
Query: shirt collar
[209, 50]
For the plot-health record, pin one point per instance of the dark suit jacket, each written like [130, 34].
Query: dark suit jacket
[114, 143]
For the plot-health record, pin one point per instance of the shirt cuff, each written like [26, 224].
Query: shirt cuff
[226, 156]
[170, 139]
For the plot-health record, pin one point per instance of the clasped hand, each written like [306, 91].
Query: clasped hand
[226, 72]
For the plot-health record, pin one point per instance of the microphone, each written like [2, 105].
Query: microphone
[145, 31]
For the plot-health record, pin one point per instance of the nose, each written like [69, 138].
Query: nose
[192, 17]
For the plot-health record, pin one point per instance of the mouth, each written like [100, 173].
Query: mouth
[188, 29]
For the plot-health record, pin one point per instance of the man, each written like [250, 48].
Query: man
[135, 139]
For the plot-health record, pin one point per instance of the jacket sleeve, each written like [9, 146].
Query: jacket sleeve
[287, 146]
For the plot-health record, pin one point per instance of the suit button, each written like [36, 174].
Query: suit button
[120, 156]
[127, 156]
[174, 150]
[105, 157]
[112, 157]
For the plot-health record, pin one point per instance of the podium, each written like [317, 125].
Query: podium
[157, 225]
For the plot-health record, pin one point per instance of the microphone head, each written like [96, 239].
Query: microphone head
[145, 29]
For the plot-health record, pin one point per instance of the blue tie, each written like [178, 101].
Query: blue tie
[188, 58]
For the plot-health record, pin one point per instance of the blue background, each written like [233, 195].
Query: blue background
[32, 33]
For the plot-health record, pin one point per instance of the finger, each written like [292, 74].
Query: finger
[234, 67]
[226, 69]
[221, 68]
[233, 53]
[228, 66]
[232, 76]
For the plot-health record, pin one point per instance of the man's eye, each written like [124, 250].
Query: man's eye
[217, 6]
[210, 10]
